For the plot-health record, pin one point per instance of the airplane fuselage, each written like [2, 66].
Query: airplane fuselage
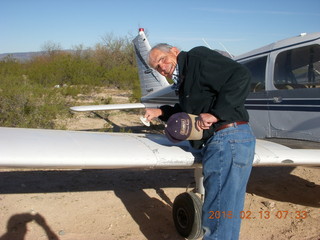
[284, 101]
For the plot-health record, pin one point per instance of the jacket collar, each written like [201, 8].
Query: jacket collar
[182, 62]
[182, 57]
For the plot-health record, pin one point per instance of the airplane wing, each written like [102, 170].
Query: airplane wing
[108, 107]
[270, 153]
[39, 148]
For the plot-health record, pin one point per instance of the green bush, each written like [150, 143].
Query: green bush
[29, 93]
[26, 105]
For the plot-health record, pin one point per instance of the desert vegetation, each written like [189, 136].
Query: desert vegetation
[36, 92]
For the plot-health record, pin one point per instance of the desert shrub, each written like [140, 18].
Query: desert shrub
[29, 98]
[26, 105]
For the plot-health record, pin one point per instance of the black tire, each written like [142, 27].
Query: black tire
[186, 213]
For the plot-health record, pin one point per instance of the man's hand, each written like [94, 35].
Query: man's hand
[152, 113]
[205, 120]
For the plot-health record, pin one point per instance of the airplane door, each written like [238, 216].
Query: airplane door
[295, 101]
[256, 103]
[257, 107]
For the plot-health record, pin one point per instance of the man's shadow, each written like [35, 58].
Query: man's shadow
[17, 227]
[153, 215]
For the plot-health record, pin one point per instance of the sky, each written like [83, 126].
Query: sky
[238, 26]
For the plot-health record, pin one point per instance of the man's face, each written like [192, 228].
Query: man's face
[164, 62]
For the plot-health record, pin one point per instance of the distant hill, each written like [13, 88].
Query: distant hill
[21, 56]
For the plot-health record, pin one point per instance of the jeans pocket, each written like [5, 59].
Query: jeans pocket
[242, 152]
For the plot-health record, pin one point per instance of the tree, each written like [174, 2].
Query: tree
[51, 48]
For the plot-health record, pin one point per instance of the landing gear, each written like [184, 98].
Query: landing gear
[187, 215]
[187, 209]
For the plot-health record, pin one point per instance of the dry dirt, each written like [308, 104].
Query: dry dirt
[281, 202]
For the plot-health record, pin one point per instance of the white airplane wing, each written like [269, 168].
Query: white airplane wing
[108, 107]
[270, 153]
[38, 148]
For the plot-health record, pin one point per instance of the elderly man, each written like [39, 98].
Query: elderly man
[213, 87]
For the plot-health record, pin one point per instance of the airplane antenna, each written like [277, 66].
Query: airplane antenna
[226, 49]
[206, 43]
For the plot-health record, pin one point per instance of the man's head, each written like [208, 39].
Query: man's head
[163, 58]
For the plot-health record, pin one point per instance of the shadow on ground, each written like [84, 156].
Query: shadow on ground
[277, 183]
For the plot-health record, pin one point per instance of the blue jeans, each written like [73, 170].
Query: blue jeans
[227, 162]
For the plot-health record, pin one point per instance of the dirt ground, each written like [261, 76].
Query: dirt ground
[281, 202]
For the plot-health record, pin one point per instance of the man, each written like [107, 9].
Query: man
[213, 87]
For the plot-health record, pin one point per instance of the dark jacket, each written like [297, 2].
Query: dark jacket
[211, 83]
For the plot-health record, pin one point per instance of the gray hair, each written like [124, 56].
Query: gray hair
[164, 47]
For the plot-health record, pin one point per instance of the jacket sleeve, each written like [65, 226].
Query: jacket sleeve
[167, 111]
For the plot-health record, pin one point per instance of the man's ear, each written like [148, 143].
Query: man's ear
[175, 51]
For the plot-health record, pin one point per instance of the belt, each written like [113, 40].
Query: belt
[230, 125]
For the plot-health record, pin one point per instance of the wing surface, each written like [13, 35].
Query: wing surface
[20, 147]
[38, 148]
[270, 153]
[107, 107]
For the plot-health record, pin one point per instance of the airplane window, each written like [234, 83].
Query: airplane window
[257, 68]
[298, 68]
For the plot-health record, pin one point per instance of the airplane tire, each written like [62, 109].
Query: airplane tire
[186, 213]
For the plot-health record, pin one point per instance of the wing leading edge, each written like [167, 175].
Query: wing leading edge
[107, 107]
[38, 148]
